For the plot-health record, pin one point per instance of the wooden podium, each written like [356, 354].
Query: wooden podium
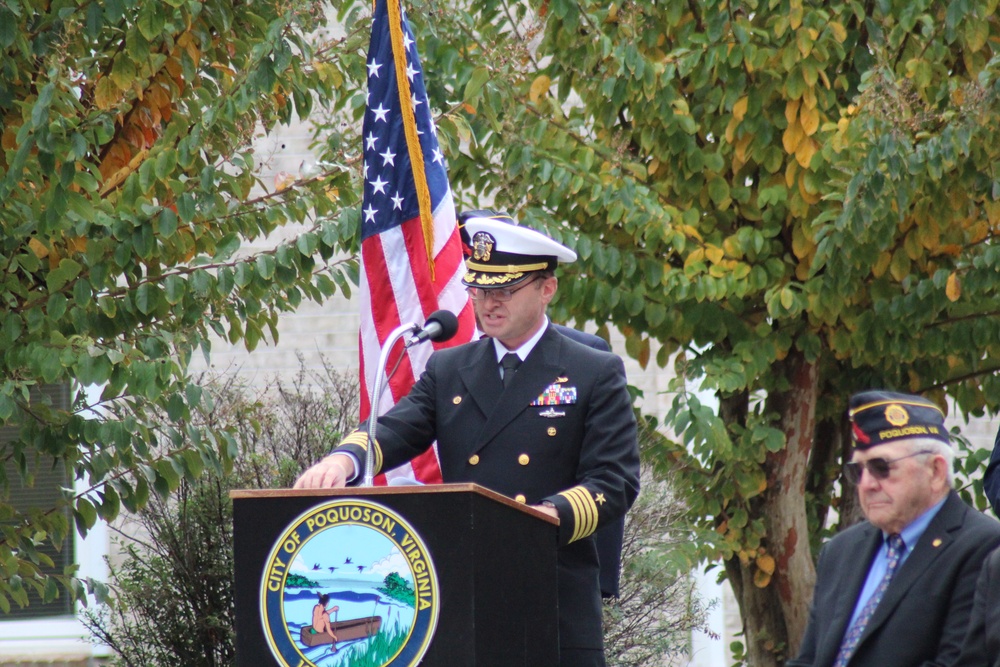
[482, 566]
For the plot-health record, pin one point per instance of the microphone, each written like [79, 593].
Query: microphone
[440, 326]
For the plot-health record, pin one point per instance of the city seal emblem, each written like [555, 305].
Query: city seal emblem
[349, 582]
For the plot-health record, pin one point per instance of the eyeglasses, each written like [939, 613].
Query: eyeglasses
[500, 294]
[877, 468]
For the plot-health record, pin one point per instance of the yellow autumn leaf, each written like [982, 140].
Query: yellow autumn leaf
[900, 265]
[807, 194]
[795, 16]
[810, 121]
[838, 31]
[791, 169]
[697, 255]
[732, 247]
[953, 288]
[741, 147]
[691, 232]
[761, 579]
[809, 98]
[540, 86]
[740, 108]
[9, 138]
[37, 247]
[106, 93]
[731, 130]
[714, 253]
[792, 137]
[653, 166]
[322, 68]
[792, 110]
[804, 153]
[881, 264]
[911, 244]
[978, 230]
[803, 268]
[929, 234]
[787, 297]
[802, 245]
[765, 563]
[282, 181]
[992, 210]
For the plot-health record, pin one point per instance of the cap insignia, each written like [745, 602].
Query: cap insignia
[482, 246]
[896, 414]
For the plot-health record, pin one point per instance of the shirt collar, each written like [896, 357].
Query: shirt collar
[525, 349]
[912, 533]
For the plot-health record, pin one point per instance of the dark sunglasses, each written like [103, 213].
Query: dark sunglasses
[877, 468]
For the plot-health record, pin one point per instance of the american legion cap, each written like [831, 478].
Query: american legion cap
[880, 416]
[501, 254]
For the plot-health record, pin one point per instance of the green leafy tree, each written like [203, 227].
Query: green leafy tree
[175, 575]
[787, 200]
[128, 183]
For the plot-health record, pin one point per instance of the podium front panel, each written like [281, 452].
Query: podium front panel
[493, 605]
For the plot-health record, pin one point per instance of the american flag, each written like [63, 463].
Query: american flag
[411, 253]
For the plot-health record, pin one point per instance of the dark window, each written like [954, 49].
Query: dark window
[45, 493]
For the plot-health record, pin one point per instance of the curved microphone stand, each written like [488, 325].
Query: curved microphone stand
[383, 359]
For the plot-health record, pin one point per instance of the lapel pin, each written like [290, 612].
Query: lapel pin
[936, 542]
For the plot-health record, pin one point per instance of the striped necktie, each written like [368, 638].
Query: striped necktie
[850, 642]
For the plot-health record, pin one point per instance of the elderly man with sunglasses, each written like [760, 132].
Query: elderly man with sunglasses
[526, 412]
[897, 589]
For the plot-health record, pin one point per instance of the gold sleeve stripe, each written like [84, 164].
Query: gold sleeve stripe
[377, 463]
[360, 439]
[584, 512]
[575, 506]
[591, 514]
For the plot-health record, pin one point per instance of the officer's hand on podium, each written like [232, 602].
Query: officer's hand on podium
[332, 472]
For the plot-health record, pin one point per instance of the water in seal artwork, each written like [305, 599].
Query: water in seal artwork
[349, 582]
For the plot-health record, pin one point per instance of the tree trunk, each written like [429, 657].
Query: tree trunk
[784, 500]
[763, 624]
[775, 616]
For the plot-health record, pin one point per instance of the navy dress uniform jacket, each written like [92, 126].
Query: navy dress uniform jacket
[609, 538]
[923, 616]
[579, 451]
[991, 478]
[982, 644]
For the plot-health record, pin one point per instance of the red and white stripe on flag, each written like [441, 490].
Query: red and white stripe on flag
[411, 254]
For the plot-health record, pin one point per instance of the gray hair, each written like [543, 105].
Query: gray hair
[933, 446]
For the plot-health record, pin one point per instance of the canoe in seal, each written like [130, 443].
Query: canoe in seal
[355, 628]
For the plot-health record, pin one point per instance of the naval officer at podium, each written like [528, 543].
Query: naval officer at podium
[526, 412]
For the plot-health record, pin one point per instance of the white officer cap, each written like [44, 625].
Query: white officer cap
[502, 254]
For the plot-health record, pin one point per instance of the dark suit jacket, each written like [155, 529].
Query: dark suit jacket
[609, 538]
[982, 643]
[991, 480]
[924, 614]
[580, 454]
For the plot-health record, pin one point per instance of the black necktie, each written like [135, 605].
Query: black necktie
[510, 362]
